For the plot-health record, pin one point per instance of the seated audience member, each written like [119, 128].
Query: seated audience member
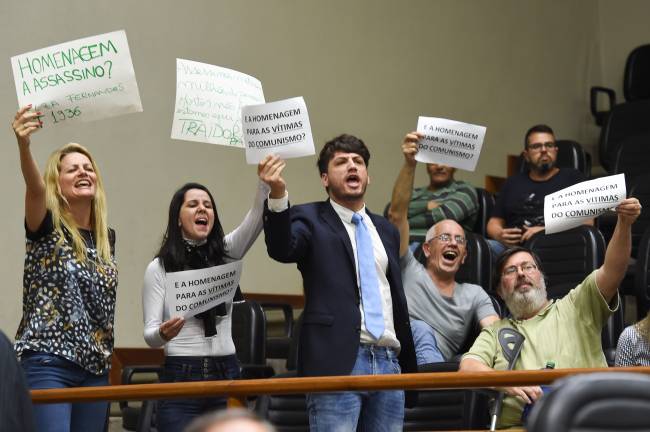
[519, 210]
[442, 311]
[15, 404]
[232, 420]
[633, 347]
[443, 198]
[566, 331]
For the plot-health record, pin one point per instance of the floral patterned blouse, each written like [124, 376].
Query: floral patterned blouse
[68, 305]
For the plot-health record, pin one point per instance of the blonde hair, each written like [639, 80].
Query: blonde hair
[59, 207]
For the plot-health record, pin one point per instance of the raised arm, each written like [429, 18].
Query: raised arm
[24, 124]
[617, 255]
[402, 190]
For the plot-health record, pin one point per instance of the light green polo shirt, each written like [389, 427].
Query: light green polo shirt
[566, 332]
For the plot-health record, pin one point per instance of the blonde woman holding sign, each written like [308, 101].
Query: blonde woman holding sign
[199, 347]
[65, 336]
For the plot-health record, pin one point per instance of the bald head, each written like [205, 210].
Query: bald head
[446, 225]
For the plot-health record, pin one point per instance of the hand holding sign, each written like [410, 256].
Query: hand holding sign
[410, 147]
[25, 123]
[270, 172]
[577, 204]
[449, 142]
[629, 210]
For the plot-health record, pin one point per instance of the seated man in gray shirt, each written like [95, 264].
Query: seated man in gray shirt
[442, 311]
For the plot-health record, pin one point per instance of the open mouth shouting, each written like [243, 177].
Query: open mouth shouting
[353, 180]
[449, 256]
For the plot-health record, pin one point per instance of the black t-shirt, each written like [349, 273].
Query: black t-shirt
[521, 201]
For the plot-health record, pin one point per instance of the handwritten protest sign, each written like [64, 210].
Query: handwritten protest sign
[209, 100]
[194, 291]
[449, 142]
[83, 80]
[280, 128]
[573, 206]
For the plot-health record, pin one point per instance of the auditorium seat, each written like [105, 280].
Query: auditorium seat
[605, 401]
[249, 336]
[642, 275]
[447, 409]
[485, 206]
[570, 154]
[636, 84]
[288, 413]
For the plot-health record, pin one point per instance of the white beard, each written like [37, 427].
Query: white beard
[526, 304]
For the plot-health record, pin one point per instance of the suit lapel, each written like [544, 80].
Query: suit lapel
[334, 221]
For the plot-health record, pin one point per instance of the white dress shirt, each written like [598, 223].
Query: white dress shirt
[389, 337]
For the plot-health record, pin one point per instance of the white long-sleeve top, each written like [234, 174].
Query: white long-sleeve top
[191, 340]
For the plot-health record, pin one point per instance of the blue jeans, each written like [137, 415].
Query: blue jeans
[45, 371]
[175, 414]
[496, 248]
[373, 411]
[426, 346]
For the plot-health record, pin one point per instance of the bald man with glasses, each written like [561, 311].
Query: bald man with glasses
[443, 312]
[519, 210]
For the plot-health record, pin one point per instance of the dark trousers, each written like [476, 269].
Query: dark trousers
[175, 414]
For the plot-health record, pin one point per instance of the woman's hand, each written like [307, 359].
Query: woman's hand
[170, 328]
[270, 172]
[25, 123]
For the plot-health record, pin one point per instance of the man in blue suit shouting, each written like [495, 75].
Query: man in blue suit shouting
[355, 319]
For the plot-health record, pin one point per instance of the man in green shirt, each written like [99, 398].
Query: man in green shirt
[566, 331]
[443, 198]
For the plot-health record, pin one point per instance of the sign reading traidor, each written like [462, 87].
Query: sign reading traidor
[209, 100]
[194, 291]
[575, 205]
[449, 142]
[83, 80]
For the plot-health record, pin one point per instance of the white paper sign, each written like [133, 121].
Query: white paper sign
[209, 100]
[449, 142]
[280, 128]
[573, 206]
[83, 80]
[194, 291]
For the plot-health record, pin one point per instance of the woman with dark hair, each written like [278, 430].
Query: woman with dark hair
[200, 347]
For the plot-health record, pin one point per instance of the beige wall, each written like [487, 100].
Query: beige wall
[366, 67]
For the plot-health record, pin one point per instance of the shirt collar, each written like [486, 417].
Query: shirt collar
[345, 213]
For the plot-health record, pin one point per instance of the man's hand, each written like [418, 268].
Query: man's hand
[530, 231]
[628, 211]
[269, 171]
[526, 394]
[510, 236]
[432, 204]
[410, 147]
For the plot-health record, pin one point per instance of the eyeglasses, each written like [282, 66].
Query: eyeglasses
[527, 268]
[446, 238]
[538, 146]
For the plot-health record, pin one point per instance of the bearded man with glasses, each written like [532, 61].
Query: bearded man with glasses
[566, 332]
[519, 210]
[442, 312]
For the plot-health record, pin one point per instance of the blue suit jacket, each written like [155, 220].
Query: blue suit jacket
[313, 236]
